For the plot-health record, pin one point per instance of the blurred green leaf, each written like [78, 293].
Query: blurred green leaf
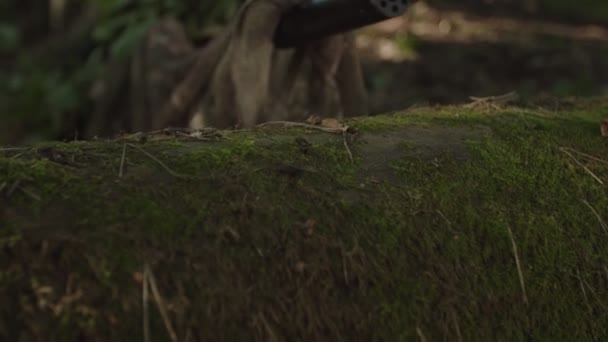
[108, 29]
[40, 97]
[9, 37]
[129, 38]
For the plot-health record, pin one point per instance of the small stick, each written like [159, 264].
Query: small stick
[30, 193]
[581, 165]
[599, 300]
[510, 96]
[420, 334]
[160, 303]
[492, 101]
[344, 269]
[8, 149]
[518, 264]
[443, 217]
[456, 325]
[122, 160]
[586, 155]
[271, 334]
[304, 125]
[580, 280]
[350, 155]
[16, 156]
[146, 317]
[13, 187]
[171, 172]
[598, 216]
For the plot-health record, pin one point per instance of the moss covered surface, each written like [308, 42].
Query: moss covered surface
[257, 236]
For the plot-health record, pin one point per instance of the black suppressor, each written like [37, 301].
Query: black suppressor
[315, 19]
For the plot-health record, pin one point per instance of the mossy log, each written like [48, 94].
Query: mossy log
[448, 223]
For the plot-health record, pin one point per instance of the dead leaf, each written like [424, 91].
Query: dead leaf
[331, 123]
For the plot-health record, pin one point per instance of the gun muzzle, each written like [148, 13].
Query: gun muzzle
[314, 19]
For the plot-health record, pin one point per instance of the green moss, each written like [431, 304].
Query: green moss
[255, 236]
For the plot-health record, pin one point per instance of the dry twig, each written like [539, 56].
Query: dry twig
[595, 295]
[159, 302]
[420, 334]
[456, 325]
[492, 101]
[9, 149]
[580, 280]
[588, 156]
[304, 125]
[444, 218]
[30, 193]
[581, 165]
[16, 156]
[518, 264]
[271, 335]
[13, 187]
[122, 160]
[146, 315]
[598, 216]
[350, 155]
[171, 172]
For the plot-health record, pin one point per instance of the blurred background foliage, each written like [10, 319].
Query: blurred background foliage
[52, 51]
[581, 11]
